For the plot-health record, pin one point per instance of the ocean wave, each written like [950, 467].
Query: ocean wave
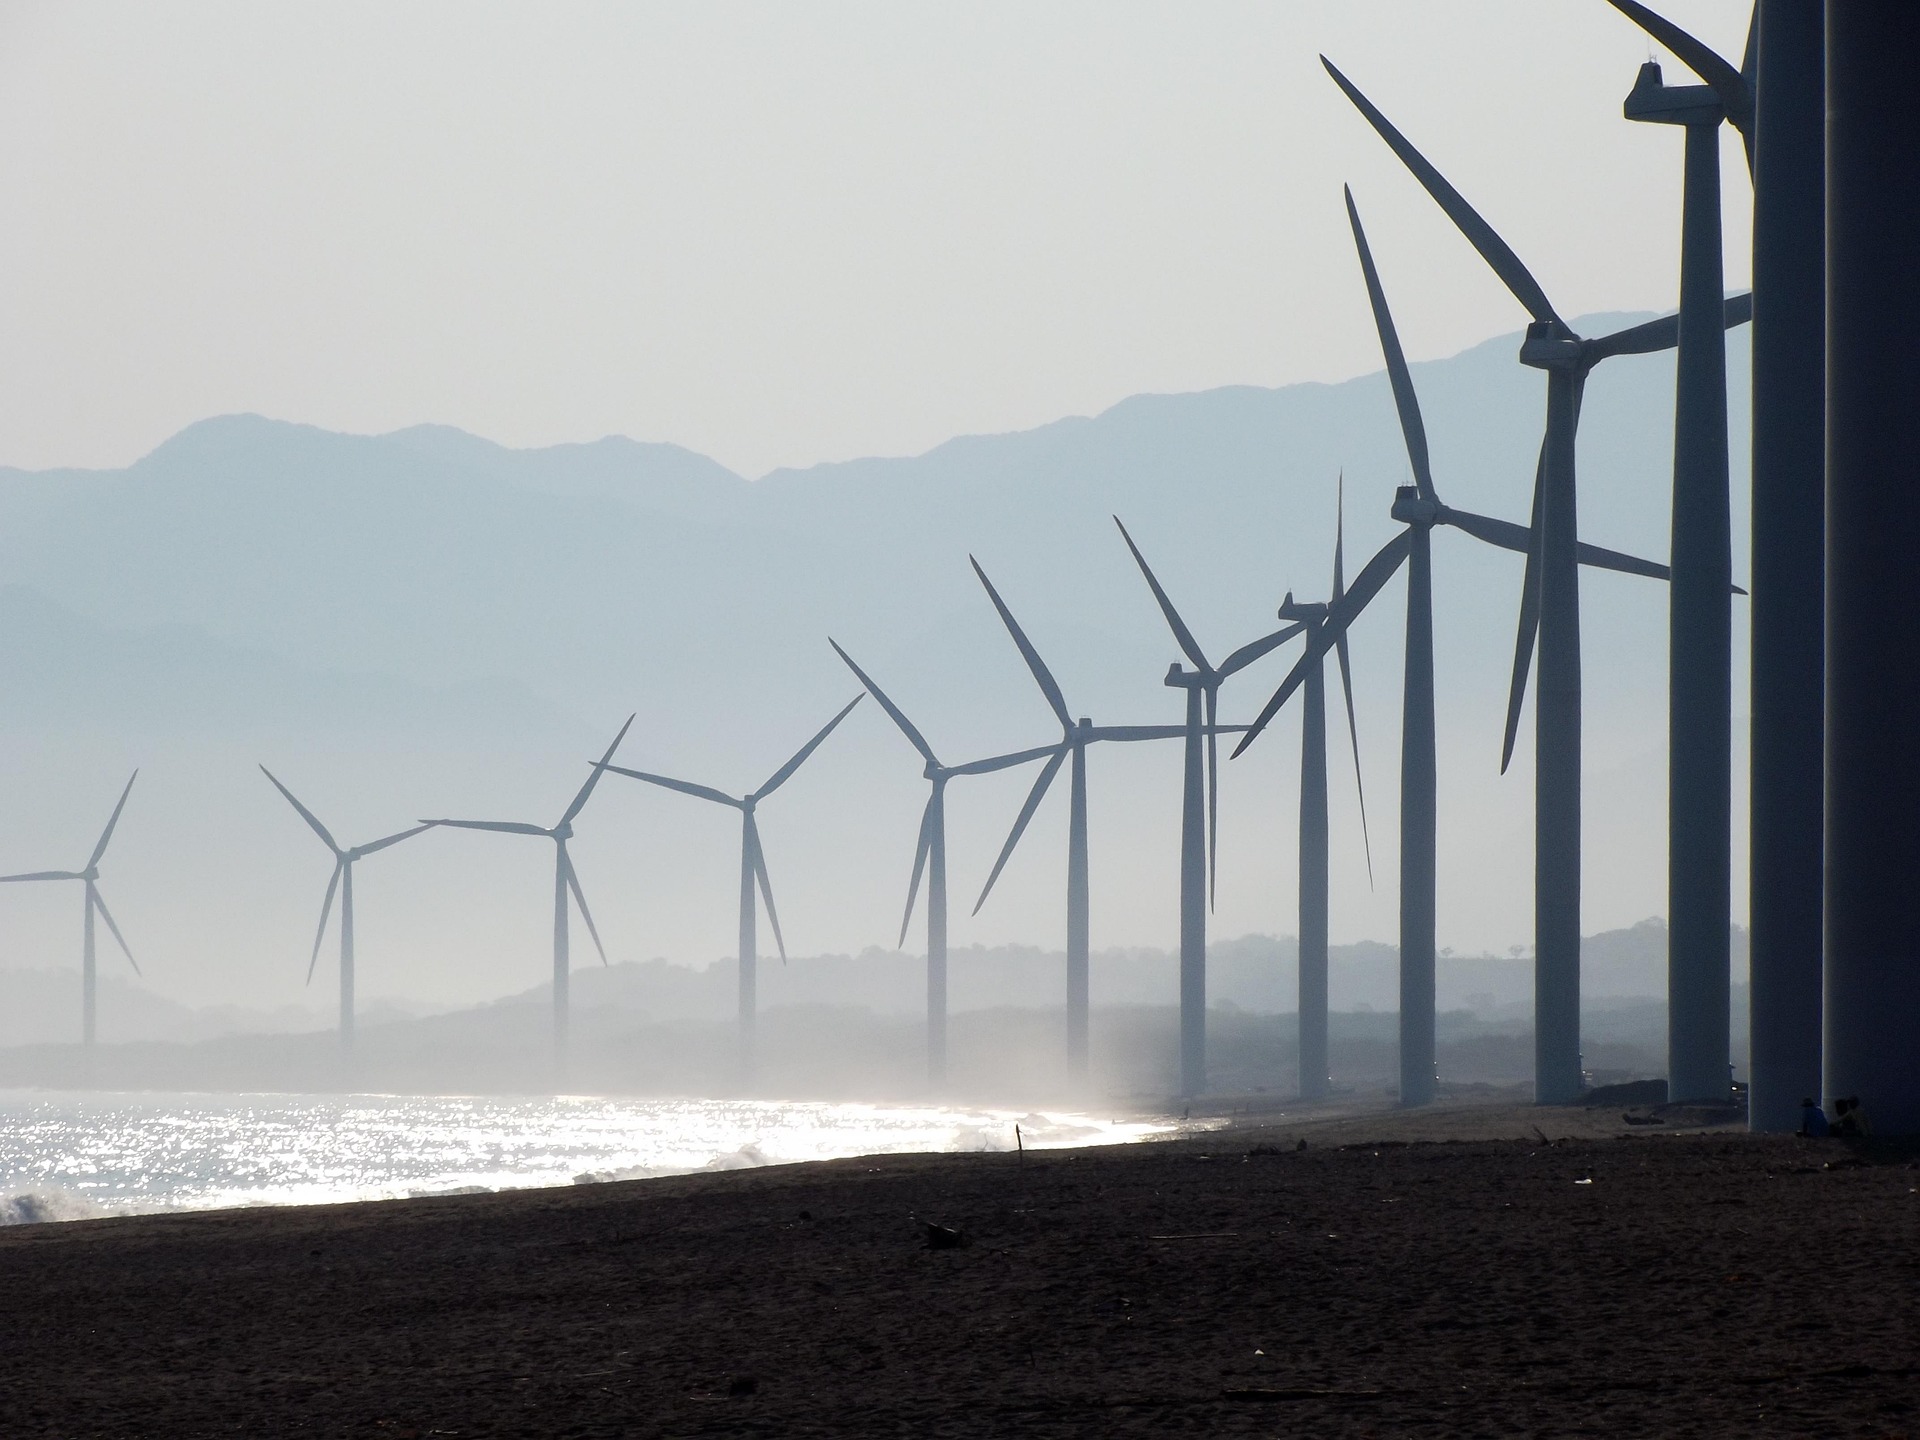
[41, 1207]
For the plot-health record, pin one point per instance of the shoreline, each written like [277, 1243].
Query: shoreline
[1377, 1281]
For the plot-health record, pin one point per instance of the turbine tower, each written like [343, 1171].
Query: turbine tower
[1417, 507]
[342, 881]
[753, 871]
[1198, 831]
[1700, 613]
[1314, 847]
[565, 883]
[930, 858]
[89, 876]
[1550, 606]
[1075, 736]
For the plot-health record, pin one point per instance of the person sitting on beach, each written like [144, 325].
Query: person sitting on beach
[1813, 1120]
[1852, 1121]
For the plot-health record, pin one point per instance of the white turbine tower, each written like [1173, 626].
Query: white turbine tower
[342, 881]
[90, 877]
[565, 883]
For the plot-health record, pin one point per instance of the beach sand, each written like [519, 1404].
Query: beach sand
[1446, 1272]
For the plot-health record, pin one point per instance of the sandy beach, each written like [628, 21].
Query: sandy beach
[1493, 1269]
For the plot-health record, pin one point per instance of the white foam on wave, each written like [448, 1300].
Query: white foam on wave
[41, 1207]
[69, 1156]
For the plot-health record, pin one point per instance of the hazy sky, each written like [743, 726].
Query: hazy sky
[780, 233]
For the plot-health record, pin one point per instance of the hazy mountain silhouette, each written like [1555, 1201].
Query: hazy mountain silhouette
[429, 619]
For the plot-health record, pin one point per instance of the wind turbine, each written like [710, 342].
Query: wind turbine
[343, 862]
[753, 869]
[930, 858]
[1075, 736]
[89, 875]
[1314, 848]
[1417, 507]
[565, 882]
[1550, 607]
[1197, 844]
[1700, 615]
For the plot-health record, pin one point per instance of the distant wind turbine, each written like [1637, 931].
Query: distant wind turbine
[1075, 736]
[1419, 508]
[565, 882]
[343, 862]
[1198, 832]
[1314, 857]
[1549, 608]
[89, 875]
[753, 869]
[1700, 614]
[930, 858]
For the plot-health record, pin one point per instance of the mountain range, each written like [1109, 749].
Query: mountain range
[427, 623]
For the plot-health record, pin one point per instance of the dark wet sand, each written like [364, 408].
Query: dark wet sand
[1705, 1284]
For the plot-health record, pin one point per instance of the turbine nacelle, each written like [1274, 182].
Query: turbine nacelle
[1551, 346]
[1181, 678]
[1306, 612]
[563, 831]
[1411, 508]
[1655, 102]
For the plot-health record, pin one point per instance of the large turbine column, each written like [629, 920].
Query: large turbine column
[1314, 1066]
[562, 968]
[1418, 821]
[1873, 539]
[1556, 799]
[1079, 955]
[937, 930]
[346, 954]
[1193, 893]
[88, 982]
[749, 946]
[1700, 615]
[1789, 563]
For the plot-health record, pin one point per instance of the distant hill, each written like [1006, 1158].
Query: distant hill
[428, 623]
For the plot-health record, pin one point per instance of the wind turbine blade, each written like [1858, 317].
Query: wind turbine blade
[1042, 676]
[1034, 797]
[1247, 654]
[1353, 735]
[1502, 534]
[1412, 428]
[326, 910]
[1342, 613]
[1181, 633]
[1479, 233]
[918, 741]
[1664, 333]
[305, 814]
[112, 820]
[1728, 83]
[100, 904]
[586, 790]
[1601, 558]
[504, 827]
[785, 772]
[580, 899]
[685, 787]
[766, 890]
[1002, 762]
[1138, 732]
[1529, 620]
[44, 875]
[1213, 792]
[382, 844]
[919, 865]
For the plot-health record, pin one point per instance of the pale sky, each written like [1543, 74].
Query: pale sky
[781, 233]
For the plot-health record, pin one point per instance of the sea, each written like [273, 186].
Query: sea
[70, 1156]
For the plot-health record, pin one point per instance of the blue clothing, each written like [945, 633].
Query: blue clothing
[1813, 1120]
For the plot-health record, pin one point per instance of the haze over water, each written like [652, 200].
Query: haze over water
[71, 1156]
